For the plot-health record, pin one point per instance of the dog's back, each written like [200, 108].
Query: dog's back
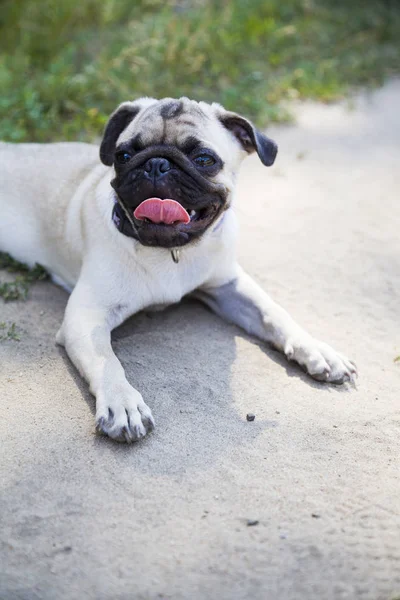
[37, 183]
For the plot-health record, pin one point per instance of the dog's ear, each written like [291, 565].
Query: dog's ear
[250, 138]
[118, 121]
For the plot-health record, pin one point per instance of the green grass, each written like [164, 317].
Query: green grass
[66, 64]
[19, 287]
[9, 332]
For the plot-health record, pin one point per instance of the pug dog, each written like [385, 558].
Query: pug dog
[151, 224]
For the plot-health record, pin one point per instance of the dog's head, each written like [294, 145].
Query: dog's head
[175, 164]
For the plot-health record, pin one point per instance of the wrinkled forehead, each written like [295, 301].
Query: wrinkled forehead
[174, 122]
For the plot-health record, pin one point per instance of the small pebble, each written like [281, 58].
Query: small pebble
[315, 516]
[252, 522]
[250, 417]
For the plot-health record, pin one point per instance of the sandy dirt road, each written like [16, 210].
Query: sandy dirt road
[85, 518]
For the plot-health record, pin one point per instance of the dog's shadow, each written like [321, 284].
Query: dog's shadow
[181, 360]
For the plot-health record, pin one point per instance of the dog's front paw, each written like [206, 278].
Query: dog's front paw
[320, 360]
[123, 415]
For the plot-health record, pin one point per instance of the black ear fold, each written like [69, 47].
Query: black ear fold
[251, 139]
[118, 121]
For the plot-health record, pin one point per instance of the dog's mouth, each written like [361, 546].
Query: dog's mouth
[171, 213]
[166, 223]
[156, 210]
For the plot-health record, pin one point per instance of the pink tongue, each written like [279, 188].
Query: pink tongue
[161, 211]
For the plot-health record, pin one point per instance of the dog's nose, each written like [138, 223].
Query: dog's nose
[157, 167]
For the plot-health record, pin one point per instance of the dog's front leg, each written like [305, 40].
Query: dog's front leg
[121, 412]
[243, 302]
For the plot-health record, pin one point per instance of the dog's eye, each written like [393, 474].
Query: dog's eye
[122, 157]
[204, 160]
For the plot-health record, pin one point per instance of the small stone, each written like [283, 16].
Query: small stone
[315, 516]
[252, 522]
[250, 417]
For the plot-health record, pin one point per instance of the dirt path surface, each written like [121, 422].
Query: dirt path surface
[85, 518]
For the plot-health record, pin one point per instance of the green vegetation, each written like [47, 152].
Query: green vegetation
[19, 287]
[65, 65]
[9, 332]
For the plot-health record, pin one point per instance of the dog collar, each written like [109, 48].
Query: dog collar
[123, 225]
